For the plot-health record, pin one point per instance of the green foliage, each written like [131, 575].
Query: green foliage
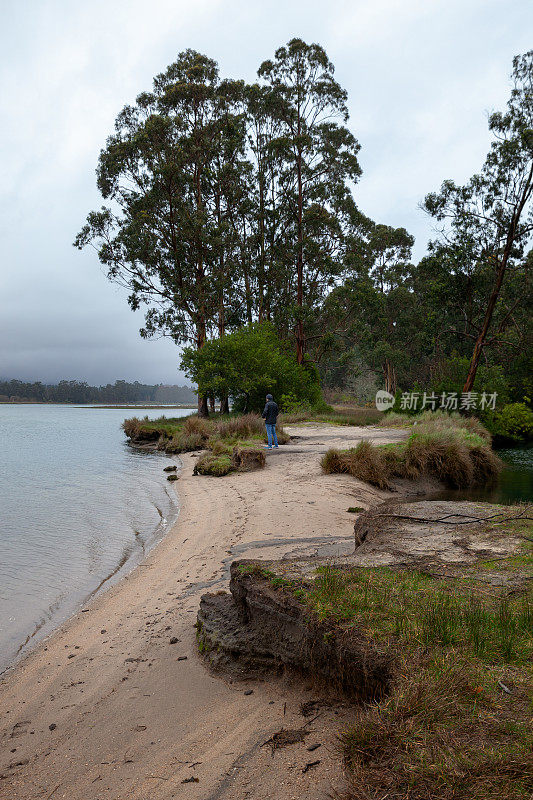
[513, 423]
[486, 226]
[450, 377]
[248, 364]
[421, 610]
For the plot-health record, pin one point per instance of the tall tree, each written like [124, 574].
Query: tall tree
[489, 221]
[372, 314]
[170, 171]
[320, 158]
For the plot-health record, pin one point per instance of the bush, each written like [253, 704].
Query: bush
[453, 371]
[333, 462]
[242, 427]
[131, 427]
[246, 459]
[234, 442]
[248, 363]
[364, 462]
[514, 423]
[183, 442]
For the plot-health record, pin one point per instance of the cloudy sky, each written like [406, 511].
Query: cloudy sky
[420, 74]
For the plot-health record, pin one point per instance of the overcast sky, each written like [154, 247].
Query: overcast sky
[420, 75]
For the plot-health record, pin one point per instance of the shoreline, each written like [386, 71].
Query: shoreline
[69, 720]
[139, 406]
[47, 626]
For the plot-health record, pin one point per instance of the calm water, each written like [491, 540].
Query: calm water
[77, 503]
[514, 485]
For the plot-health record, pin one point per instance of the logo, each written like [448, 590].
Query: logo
[384, 400]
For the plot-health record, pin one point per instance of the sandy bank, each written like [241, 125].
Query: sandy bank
[135, 716]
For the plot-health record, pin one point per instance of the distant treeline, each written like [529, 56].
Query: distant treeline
[81, 392]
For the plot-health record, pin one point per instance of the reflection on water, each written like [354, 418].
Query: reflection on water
[514, 485]
[77, 502]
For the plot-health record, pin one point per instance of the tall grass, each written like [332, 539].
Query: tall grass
[453, 449]
[346, 416]
[186, 434]
[444, 733]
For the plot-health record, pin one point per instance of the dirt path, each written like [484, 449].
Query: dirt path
[111, 706]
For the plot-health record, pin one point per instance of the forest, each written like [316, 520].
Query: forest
[80, 392]
[231, 208]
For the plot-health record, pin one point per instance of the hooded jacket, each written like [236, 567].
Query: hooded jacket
[270, 413]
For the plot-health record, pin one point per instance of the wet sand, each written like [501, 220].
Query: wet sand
[118, 704]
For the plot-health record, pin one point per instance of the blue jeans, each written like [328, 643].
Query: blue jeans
[271, 434]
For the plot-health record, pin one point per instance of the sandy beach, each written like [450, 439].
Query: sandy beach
[118, 704]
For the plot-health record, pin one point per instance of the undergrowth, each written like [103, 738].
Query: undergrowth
[348, 416]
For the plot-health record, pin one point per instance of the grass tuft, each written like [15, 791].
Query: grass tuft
[235, 442]
[453, 449]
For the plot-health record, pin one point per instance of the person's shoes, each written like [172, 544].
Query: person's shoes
[276, 446]
[267, 448]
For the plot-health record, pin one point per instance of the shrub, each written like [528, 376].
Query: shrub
[333, 462]
[197, 426]
[183, 442]
[131, 427]
[514, 423]
[366, 463]
[248, 363]
[241, 427]
[139, 430]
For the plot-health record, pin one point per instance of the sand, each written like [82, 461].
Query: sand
[112, 706]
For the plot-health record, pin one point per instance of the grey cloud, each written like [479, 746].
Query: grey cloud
[419, 75]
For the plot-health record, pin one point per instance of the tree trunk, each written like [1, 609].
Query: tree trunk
[211, 404]
[247, 287]
[300, 345]
[203, 410]
[500, 274]
[201, 336]
[389, 373]
[224, 405]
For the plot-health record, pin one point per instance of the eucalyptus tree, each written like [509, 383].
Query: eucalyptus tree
[170, 173]
[373, 311]
[266, 212]
[488, 222]
[319, 160]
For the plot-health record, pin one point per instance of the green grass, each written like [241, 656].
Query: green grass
[352, 416]
[447, 730]
[454, 449]
[423, 611]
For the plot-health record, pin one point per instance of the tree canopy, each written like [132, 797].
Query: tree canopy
[231, 204]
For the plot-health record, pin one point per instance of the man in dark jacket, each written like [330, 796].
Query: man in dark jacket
[270, 415]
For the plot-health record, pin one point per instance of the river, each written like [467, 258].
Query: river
[78, 507]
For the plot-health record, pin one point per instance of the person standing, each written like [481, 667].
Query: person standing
[270, 415]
